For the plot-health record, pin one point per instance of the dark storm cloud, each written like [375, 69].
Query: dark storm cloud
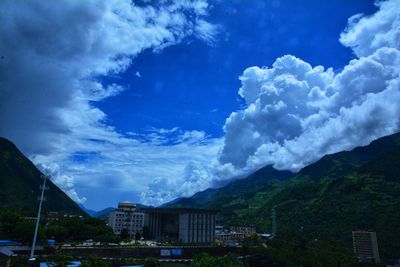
[52, 55]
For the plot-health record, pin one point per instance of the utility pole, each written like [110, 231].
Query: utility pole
[43, 188]
[273, 217]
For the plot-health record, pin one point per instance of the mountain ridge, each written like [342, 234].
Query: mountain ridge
[345, 191]
[253, 182]
[20, 184]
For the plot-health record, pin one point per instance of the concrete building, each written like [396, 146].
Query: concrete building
[365, 246]
[181, 225]
[128, 217]
[230, 239]
[233, 235]
[246, 230]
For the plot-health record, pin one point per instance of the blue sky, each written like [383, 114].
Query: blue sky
[194, 85]
[149, 101]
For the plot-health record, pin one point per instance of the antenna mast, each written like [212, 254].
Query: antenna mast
[273, 216]
[43, 187]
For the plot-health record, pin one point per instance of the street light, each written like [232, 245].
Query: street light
[41, 199]
[273, 216]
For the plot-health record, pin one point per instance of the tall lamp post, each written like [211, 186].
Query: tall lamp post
[273, 232]
[43, 188]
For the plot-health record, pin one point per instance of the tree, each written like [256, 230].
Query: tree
[8, 220]
[252, 240]
[205, 260]
[24, 229]
[60, 259]
[57, 232]
[137, 235]
[146, 232]
[125, 234]
[94, 261]
[151, 262]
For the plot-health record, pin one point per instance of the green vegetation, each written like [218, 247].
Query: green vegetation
[292, 249]
[14, 226]
[20, 184]
[78, 229]
[255, 182]
[205, 260]
[59, 259]
[94, 261]
[316, 209]
[327, 200]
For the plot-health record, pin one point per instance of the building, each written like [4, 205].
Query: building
[235, 234]
[181, 225]
[230, 238]
[127, 217]
[365, 246]
[247, 231]
[219, 229]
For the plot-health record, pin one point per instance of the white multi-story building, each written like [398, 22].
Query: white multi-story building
[126, 216]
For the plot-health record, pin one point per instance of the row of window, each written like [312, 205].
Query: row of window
[134, 215]
[127, 220]
[123, 225]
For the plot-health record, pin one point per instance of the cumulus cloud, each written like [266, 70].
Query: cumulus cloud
[295, 113]
[53, 55]
[367, 34]
[155, 170]
[194, 177]
[66, 182]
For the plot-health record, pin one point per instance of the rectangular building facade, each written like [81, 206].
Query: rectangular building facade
[190, 226]
[365, 246]
[127, 217]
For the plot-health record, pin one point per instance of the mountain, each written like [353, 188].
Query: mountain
[342, 192]
[103, 214]
[20, 184]
[92, 213]
[260, 179]
[362, 192]
[341, 163]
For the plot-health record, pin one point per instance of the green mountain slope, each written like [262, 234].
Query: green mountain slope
[20, 184]
[341, 163]
[367, 198]
[342, 192]
[260, 179]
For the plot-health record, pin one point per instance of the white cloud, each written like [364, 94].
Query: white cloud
[296, 113]
[66, 182]
[153, 170]
[367, 34]
[53, 54]
[194, 177]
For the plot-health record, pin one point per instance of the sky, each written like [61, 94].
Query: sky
[148, 101]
